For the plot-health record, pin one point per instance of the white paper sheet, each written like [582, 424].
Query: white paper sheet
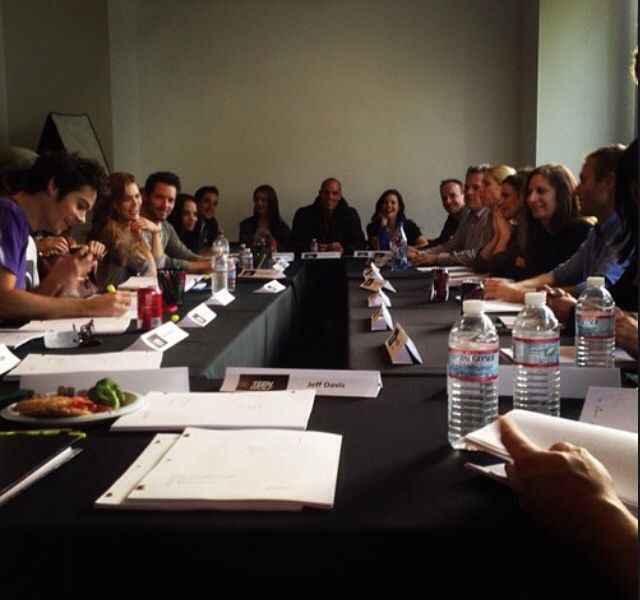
[257, 469]
[101, 325]
[616, 449]
[611, 407]
[326, 382]
[219, 410]
[107, 361]
[500, 306]
[200, 316]
[15, 339]
[8, 360]
[142, 381]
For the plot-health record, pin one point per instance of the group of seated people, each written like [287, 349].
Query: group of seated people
[527, 228]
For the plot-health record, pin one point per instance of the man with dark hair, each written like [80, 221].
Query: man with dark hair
[57, 194]
[330, 220]
[158, 200]
[452, 196]
[474, 231]
[207, 198]
[600, 253]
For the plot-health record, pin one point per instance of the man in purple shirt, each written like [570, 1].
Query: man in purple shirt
[58, 192]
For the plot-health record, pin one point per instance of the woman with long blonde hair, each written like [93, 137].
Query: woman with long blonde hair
[133, 242]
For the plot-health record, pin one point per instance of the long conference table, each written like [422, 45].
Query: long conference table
[409, 520]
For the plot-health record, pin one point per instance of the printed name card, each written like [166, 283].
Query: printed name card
[283, 257]
[381, 319]
[401, 348]
[199, 316]
[320, 255]
[271, 287]
[8, 360]
[378, 299]
[160, 339]
[374, 254]
[221, 298]
[371, 284]
[358, 384]
[372, 272]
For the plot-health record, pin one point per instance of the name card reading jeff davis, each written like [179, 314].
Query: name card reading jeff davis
[358, 384]
[401, 348]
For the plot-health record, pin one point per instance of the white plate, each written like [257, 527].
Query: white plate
[11, 415]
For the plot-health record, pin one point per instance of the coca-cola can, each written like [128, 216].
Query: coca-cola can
[439, 285]
[149, 308]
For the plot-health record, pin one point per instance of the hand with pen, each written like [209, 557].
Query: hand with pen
[570, 494]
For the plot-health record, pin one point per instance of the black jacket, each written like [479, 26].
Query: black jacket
[344, 226]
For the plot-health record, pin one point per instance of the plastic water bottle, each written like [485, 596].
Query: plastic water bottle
[232, 274]
[220, 245]
[399, 248]
[595, 326]
[383, 238]
[219, 279]
[472, 373]
[313, 247]
[536, 354]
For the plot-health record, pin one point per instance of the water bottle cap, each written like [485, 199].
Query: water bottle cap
[595, 281]
[473, 307]
[535, 298]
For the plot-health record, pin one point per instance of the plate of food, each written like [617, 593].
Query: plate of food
[67, 406]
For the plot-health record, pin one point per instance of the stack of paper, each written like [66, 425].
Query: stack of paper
[617, 450]
[260, 469]
[175, 411]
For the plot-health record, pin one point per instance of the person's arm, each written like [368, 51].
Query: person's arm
[17, 304]
[496, 287]
[141, 224]
[68, 271]
[627, 333]
[571, 494]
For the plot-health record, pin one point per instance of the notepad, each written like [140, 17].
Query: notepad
[617, 450]
[260, 469]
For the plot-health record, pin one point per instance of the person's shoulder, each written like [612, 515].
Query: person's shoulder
[247, 222]
[11, 212]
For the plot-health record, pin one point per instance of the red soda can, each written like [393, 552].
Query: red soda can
[439, 285]
[149, 308]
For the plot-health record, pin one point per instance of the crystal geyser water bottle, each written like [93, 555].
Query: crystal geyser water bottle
[472, 373]
[536, 354]
[595, 326]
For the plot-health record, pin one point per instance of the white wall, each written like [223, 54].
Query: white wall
[585, 94]
[378, 94]
[57, 59]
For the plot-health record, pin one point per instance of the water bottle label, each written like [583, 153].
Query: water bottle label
[535, 352]
[595, 325]
[473, 365]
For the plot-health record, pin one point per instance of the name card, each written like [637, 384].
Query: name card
[378, 299]
[358, 384]
[373, 272]
[284, 256]
[381, 319]
[574, 381]
[221, 298]
[200, 316]
[371, 284]
[271, 287]
[401, 348]
[160, 339]
[8, 360]
[320, 255]
[375, 254]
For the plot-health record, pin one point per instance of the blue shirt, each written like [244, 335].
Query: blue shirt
[598, 255]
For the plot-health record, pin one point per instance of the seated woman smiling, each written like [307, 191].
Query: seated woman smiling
[133, 243]
[388, 216]
[266, 222]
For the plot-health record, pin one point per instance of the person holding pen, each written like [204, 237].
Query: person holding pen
[58, 192]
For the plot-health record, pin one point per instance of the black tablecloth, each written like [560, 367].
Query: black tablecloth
[408, 521]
